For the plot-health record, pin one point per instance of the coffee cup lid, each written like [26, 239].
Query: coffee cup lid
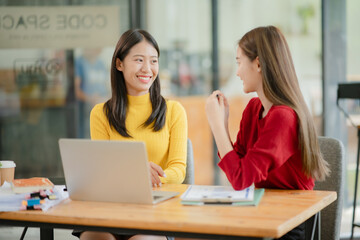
[7, 164]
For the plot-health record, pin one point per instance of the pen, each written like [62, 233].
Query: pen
[218, 203]
[247, 193]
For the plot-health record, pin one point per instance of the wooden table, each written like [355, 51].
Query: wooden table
[278, 212]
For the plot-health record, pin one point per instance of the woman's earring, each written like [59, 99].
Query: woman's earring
[258, 69]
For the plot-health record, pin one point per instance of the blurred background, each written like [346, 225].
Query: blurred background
[55, 61]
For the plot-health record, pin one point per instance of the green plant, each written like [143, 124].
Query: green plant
[306, 12]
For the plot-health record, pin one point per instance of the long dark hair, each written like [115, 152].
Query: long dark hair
[116, 107]
[281, 87]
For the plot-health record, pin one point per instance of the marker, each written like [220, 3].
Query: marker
[32, 202]
[40, 194]
[35, 207]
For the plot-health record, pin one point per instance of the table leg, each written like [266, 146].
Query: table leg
[46, 233]
[313, 227]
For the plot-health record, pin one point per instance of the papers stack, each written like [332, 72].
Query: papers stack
[209, 194]
[10, 201]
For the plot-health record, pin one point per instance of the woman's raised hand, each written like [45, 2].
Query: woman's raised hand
[217, 110]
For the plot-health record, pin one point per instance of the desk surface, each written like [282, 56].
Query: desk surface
[278, 212]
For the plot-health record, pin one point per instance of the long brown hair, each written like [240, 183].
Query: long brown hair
[116, 107]
[281, 87]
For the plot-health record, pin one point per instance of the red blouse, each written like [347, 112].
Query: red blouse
[266, 151]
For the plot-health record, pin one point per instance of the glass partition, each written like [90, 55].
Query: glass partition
[186, 66]
[54, 55]
[352, 107]
[183, 32]
[54, 66]
[184, 38]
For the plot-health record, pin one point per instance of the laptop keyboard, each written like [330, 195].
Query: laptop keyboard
[156, 197]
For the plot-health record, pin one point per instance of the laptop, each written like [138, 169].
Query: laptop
[108, 171]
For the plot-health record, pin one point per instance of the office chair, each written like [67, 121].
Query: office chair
[333, 152]
[190, 176]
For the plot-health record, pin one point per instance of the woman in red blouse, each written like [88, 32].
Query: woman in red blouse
[276, 146]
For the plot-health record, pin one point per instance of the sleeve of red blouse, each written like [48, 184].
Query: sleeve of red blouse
[276, 143]
[238, 145]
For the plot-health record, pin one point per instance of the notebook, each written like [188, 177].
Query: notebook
[108, 171]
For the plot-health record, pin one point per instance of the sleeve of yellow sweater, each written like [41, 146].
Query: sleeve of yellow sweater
[176, 164]
[99, 123]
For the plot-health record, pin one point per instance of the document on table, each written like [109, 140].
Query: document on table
[10, 201]
[216, 194]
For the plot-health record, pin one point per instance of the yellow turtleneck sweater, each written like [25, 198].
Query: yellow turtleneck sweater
[166, 148]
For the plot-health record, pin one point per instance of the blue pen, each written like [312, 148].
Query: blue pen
[247, 192]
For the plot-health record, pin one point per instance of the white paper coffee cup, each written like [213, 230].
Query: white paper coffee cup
[7, 164]
[7, 171]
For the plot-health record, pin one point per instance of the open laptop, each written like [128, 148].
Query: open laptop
[108, 171]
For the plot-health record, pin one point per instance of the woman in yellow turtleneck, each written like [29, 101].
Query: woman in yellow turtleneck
[136, 111]
[166, 147]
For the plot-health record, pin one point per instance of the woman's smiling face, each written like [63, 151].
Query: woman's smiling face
[140, 68]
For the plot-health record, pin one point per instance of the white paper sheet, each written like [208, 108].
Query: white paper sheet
[210, 193]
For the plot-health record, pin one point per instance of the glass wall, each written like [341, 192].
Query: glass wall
[300, 22]
[352, 107]
[186, 68]
[54, 66]
[185, 43]
[183, 32]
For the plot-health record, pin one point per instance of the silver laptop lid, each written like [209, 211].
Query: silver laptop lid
[106, 171]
